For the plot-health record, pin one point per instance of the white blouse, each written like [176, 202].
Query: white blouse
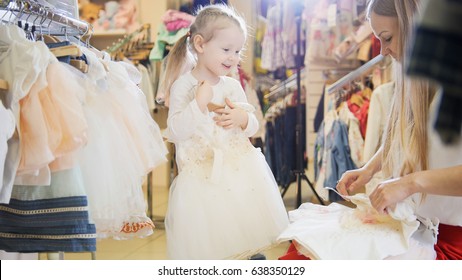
[448, 209]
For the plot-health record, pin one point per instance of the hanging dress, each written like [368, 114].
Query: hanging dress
[124, 144]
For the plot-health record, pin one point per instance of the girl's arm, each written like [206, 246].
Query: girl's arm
[184, 113]
[233, 115]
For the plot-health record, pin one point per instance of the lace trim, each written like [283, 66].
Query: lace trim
[135, 227]
[43, 211]
[38, 236]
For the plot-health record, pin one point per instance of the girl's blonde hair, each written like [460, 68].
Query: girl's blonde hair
[208, 20]
[406, 141]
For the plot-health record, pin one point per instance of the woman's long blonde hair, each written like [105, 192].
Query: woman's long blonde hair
[405, 147]
[208, 20]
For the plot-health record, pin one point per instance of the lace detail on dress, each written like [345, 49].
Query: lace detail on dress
[206, 152]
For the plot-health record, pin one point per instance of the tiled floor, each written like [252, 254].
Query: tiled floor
[154, 246]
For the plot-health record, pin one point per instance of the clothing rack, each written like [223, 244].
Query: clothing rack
[58, 25]
[295, 80]
[355, 74]
[300, 171]
[39, 13]
[128, 38]
[284, 85]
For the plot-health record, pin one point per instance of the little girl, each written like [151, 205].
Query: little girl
[224, 203]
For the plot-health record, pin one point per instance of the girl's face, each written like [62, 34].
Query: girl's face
[222, 53]
[386, 29]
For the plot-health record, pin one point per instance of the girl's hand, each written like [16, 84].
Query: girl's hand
[352, 180]
[231, 116]
[204, 94]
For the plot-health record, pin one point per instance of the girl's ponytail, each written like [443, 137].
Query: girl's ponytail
[177, 59]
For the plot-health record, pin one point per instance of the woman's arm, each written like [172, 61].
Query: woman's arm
[374, 165]
[446, 181]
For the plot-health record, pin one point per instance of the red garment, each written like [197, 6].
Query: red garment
[449, 244]
[375, 46]
[361, 113]
[354, 108]
[243, 77]
[293, 254]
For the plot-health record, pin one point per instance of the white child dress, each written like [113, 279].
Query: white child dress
[338, 232]
[224, 203]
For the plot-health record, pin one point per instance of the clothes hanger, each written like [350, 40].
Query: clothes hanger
[70, 50]
[48, 38]
[79, 64]
[4, 85]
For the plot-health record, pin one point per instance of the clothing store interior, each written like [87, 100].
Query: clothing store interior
[317, 82]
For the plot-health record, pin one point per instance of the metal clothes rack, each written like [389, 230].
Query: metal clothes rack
[284, 85]
[300, 171]
[354, 74]
[57, 25]
[295, 80]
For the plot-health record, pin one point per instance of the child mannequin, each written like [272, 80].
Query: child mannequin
[224, 203]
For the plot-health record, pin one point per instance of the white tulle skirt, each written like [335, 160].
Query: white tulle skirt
[234, 217]
[124, 144]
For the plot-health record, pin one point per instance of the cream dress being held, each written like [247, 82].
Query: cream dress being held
[224, 203]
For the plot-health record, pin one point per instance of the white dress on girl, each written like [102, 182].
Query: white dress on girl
[225, 202]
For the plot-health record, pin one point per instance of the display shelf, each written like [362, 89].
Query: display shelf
[109, 33]
[104, 39]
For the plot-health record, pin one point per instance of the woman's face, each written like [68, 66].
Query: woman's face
[386, 29]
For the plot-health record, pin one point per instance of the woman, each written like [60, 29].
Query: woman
[423, 167]
[422, 170]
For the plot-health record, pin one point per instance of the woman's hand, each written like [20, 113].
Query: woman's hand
[391, 192]
[444, 181]
[231, 116]
[352, 180]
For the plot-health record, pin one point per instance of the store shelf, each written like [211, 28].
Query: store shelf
[104, 39]
[109, 33]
